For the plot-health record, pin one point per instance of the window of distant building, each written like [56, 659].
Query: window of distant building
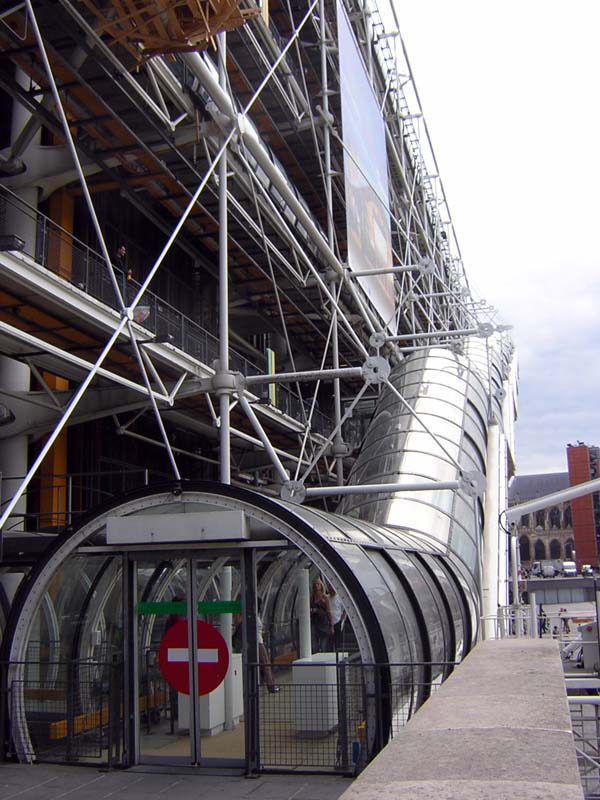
[567, 516]
[539, 550]
[569, 547]
[525, 521]
[554, 517]
[554, 548]
[540, 518]
[525, 548]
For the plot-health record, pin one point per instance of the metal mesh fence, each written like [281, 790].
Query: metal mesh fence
[321, 714]
[313, 725]
[333, 715]
[66, 711]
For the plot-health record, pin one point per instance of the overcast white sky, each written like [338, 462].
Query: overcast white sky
[511, 95]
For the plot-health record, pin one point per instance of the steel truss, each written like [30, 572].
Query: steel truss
[239, 159]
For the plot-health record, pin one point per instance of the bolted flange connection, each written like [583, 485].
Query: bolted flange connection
[376, 369]
[472, 483]
[226, 382]
[340, 449]
[486, 329]
[377, 340]
[293, 492]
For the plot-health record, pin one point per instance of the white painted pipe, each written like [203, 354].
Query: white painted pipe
[490, 534]
[304, 613]
[533, 620]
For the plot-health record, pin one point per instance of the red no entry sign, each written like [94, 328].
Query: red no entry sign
[174, 657]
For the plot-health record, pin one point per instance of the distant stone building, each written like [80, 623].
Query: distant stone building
[547, 533]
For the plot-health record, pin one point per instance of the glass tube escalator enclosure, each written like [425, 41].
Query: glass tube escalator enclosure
[176, 563]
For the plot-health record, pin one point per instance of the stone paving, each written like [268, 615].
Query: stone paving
[53, 782]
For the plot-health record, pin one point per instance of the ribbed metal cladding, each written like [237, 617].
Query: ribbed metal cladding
[453, 396]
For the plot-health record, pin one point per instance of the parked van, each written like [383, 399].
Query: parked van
[548, 569]
[569, 569]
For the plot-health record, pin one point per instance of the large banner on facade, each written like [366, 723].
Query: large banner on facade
[365, 173]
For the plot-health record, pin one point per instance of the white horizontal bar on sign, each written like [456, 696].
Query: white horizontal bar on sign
[196, 526]
[180, 654]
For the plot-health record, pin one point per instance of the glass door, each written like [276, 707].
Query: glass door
[188, 665]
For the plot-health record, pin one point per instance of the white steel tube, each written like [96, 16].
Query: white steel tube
[533, 619]
[303, 377]
[490, 532]
[369, 488]
[515, 512]
[254, 421]
[514, 572]
[224, 430]
[62, 422]
[304, 613]
[431, 335]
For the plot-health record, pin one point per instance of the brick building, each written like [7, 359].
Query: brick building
[583, 466]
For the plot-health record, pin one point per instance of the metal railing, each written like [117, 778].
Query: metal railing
[86, 269]
[585, 722]
[72, 494]
[331, 716]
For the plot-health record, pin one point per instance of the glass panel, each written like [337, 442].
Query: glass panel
[376, 583]
[171, 727]
[432, 608]
[453, 602]
[162, 605]
[73, 677]
[220, 663]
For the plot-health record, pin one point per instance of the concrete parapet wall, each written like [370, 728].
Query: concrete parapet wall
[498, 728]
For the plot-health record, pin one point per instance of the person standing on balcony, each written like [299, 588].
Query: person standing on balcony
[121, 258]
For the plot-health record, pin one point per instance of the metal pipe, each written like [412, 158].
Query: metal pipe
[157, 415]
[364, 273]
[74, 154]
[490, 532]
[305, 644]
[329, 491]
[309, 375]
[325, 445]
[580, 490]
[514, 571]
[533, 618]
[335, 349]
[62, 422]
[225, 420]
[407, 337]
[248, 410]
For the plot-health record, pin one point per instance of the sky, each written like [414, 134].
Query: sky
[511, 96]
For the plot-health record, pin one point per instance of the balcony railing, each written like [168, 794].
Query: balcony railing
[63, 254]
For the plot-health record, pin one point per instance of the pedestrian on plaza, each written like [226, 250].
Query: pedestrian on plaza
[320, 614]
[264, 656]
[338, 616]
